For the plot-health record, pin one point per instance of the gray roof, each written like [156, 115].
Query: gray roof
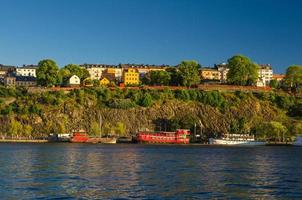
[26, 78]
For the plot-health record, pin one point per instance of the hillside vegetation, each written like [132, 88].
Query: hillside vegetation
[271, 116]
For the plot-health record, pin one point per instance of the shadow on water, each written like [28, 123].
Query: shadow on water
[149, 171]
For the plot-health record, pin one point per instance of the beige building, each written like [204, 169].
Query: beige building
[209, 74]
[9, 81]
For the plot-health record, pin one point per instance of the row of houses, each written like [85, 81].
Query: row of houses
[18, 76]
[127, 74]
[219, 73]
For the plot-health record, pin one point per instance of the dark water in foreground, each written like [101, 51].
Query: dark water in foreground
[77, 171]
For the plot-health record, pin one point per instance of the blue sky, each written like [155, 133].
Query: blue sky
[150, 31]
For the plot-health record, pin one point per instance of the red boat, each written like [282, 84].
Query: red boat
[181, 136]
[80, 137]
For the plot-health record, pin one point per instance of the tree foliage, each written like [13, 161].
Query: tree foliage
[157, 78]
[293, 77]
[242, 71]
[189, 74]
[73, 69]
[273, 131]
[48, 73]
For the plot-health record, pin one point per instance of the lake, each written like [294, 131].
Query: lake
[133, 171]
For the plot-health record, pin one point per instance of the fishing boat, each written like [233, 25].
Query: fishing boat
[237, 139]
[108, 140]
[298, 141]
[180, 136]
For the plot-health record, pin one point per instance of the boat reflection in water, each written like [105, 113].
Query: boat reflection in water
[236, 139]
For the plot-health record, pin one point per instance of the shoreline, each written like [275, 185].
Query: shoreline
[190, 144]
[22, 141]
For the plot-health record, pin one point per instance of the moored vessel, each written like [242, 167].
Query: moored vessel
[80, 136]
[298, 141]
[180, 136]
[237, 139]
[108, 140]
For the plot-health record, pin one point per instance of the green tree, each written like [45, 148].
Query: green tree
[175, 79]
[159, 78]
[296, 110]
[120, 129]
[189, 73]
[273, 131]
[96, 83]
[146, 101]
[48, 73]
[15, 128]
[27, 130]
[293, 77]
[82, 73]
[95, 128]
[274, 84]
[297, 128]
[64, 75]
[242, 71]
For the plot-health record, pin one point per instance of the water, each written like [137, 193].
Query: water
[84, 171]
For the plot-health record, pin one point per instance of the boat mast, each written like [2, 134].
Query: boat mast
[100, 121]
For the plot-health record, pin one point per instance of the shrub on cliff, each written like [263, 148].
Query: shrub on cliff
[121, 103]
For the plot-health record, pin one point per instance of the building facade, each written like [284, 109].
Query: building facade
[209, 74]
[26, 70]
[223, 71]
[130, 76]
[26, 81]
[9, 81]
[74, 80]
[265, 74]
[5, 71]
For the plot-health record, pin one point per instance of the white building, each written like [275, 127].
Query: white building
[223, 69]
[265, 75]
[26, 70]
[74, 80]
[95, 70]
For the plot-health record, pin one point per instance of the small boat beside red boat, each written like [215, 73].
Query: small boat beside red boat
[180, 136]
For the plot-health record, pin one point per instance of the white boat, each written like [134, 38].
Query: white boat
[237, 139]
[108, 140]
[298, 141]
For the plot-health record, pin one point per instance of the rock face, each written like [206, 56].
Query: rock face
[69, 115]
[37, 116]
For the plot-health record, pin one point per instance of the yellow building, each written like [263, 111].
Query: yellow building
[104, 81]
[130, 76]
[209, 74]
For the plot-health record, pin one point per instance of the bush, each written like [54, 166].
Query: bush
[121, 103]
[147, 100]
[212, 98]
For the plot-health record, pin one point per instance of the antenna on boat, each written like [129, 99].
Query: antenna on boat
[100, 120]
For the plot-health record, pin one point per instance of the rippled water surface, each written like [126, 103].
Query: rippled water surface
[81, 171]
